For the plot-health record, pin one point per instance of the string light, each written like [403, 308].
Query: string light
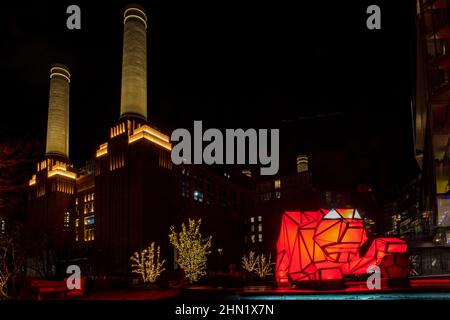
[191, 249]
[147, 265]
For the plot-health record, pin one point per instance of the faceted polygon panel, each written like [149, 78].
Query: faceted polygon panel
[325, 245]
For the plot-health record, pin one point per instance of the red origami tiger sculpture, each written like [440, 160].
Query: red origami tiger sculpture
[325, 245]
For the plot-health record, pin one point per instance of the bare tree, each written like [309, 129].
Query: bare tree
[10, 263]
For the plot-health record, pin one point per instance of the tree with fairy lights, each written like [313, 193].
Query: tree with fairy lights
[249, 263]
[258, 264]
[191, 249]
[147, 264]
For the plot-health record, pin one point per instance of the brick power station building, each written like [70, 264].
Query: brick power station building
[131, 193]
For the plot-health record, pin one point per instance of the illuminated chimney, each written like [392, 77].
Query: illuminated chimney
[134, 63]
[58, 112]
[302, 163]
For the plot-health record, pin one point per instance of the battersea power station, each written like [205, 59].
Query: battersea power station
[130, 193]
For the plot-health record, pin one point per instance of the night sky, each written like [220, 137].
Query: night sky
[338, 92]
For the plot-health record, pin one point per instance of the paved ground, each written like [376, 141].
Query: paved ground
[132, 295]
[419, 289]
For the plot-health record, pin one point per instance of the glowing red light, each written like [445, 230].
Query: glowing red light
[325, 245]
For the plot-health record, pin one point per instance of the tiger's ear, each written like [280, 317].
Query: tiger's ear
[332, 214]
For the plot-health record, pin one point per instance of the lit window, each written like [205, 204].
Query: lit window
[76, 201]
[302, 163]
[260, 227]
[259, 218]
[89, 220]
[88, 234]
[77, 222]
[252, 219]
[66, 219]
[278, 194]
[77, 238]
[198, 196]
[247, 173]
[277, 184]
[185, 189]
[3, 226]
[443, 209]
[260, 237]
[253, 238]
[252, 228]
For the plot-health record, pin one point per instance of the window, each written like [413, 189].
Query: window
[277, 184]
[198, 196]
[89, 234]
[259, 218]
[260, 227]
[185, 172]
[277, 194]
[302, 163]
[77, 222]
[89, 220]
[185, 191]
[260, 237]
[223, 196]
[252, 228]
[66, 219]
[253, 238]
[247, 172]
[2, 226]
[252, 219]
[443, 216]
[209, 193]
[266, 196]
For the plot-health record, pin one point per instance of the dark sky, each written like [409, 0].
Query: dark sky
[338, 91]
